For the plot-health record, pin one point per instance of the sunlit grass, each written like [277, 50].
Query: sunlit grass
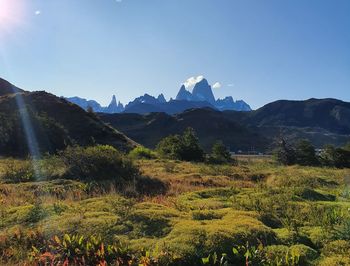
[206, 208]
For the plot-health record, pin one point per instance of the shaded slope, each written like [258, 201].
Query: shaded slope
[171, 107]
[323, 121]
[210, 125]
[329, 114]
[7, 88]
[55, 122]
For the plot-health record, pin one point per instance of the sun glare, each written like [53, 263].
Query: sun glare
[11, 14]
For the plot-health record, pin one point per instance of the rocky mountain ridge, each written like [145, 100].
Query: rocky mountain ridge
[201, 96]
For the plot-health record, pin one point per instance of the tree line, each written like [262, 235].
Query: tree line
[186, 147]
[304, 153]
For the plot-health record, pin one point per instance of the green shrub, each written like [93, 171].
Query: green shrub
[59, 208]
[97, 163]
[170, 147]
[191, 147]
[240, 255]
[185, 147]
[194, 239]
[281, 255]
[305, 153]
[328, 156]
[36, 213]
[18, 171]
[294, 255]
[284, 153]
[342, 231]
[141, 152]
[220, 154]
[79, 250]
[52, 167]
[335, 261]
[335, 157]
[339, 247]
[306, 254]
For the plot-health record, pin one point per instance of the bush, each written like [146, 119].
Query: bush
[294, 255]
[191, 147]
[279, 255]
[220, 154]
[18, 171]
[342, 231]
[338, 247]
[305, 253]
[36, 213]
[170, 147]
[185, 147]
[79, 250]
[335, 157]
[305, 153]
[141, 152]
[284, 153]
[335, 261]
[342, 158]
[97, 163]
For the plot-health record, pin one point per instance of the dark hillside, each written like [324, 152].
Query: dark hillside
[171, 107]
[210, 125]
[7, 88]
[329, 114]
[322, 121]
[50, 123]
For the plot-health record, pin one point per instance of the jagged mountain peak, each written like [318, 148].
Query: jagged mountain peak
[161, 98]
[114, 101]
[114, 107]
[202, 92]
[203, 82]
[184, 95]
[229, 104]
[201, 95]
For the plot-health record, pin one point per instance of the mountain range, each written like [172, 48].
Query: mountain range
[322, 121]
[52, 123]
[112, 108]
[201, 96]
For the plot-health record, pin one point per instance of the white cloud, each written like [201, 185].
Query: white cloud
[230, 85]
[190, 82]
[216, 85]
[37, 12]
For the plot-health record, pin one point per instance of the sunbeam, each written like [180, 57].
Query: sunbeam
[31, 138]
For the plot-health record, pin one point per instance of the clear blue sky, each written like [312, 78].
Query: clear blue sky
[259, 51]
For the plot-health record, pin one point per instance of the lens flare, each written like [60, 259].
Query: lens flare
[31, 138]
[11, 15]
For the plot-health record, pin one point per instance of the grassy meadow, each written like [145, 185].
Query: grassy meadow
[254, 212]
